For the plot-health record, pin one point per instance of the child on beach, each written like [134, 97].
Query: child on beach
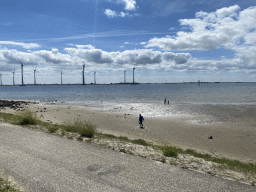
[141, 119]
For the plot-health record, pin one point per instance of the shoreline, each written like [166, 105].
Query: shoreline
[230, 140]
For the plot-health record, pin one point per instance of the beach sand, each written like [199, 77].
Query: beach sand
[235, 139]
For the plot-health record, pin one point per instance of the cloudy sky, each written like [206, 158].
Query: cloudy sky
[165, 40]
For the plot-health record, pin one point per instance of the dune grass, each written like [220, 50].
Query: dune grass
[5, 186]
[170, 151]
[85, 129]
[26, 118]
[226, 163]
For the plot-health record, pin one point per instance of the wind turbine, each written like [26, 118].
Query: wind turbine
[124, 77]
[95, 77]
[133, 74]
[83, 75]
[13, 77]
[22, 82]
[34, 76]
[61, 76]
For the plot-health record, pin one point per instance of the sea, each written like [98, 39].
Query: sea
[198, 103]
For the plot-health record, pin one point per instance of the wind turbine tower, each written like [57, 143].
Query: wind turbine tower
[22, 82]
[133, 74]
[95, 77]
[13, 73]
[124, 77]
[61, 77]
[83, 75]
[34, 76]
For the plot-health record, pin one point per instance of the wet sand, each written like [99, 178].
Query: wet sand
[234, 139]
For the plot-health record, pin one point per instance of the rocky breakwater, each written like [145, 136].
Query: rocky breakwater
[15, 105]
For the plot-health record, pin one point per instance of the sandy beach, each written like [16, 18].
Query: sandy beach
[234, 139]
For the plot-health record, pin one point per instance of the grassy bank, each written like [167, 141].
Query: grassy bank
[6, 186]
[87, 129]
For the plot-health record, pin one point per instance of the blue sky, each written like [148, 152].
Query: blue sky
[165, 40]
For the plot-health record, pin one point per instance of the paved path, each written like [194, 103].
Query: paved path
[44, 162]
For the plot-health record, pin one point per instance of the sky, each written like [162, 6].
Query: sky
[167, 41]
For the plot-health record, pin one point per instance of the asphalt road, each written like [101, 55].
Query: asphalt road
[44, 162]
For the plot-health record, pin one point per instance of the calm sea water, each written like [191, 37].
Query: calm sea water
[206, 103]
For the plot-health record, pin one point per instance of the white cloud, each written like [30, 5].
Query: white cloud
[53, 57]
[130, 5]
[110, 13]
[228, 11]
[223, 28]
[95, 56]
[138, 57]
[24, 45]
[178, 58]
[85, 46]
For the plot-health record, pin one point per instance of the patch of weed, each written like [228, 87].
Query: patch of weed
[6, 117]
[123, 138]
[85, 129]
[109, 136]
[26, 118]
[228, 163]
[80, 138]
[70, 137]
[53, 129]
[140, 142]
[170, 151]
[63, 132]
[122, 150]
[5, 186]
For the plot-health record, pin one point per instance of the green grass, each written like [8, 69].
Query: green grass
[6, 187]
[227, 163]
[170, 151]
[26, 118]
[124, 139]
[122, 150]
[85, 129]
[140, 142]
[5, 117]
[53, 128]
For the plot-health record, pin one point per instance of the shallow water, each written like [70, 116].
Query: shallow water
[207, 103]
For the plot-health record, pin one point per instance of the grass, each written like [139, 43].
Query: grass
[26, 118]
[53, 129]
[5, 117]
[140, 142]
[122, 150]
[85, 129]
[5, 186]
[228, 163]
[170, 151]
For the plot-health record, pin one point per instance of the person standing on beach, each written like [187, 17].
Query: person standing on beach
[164, 100]
[141, 119]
